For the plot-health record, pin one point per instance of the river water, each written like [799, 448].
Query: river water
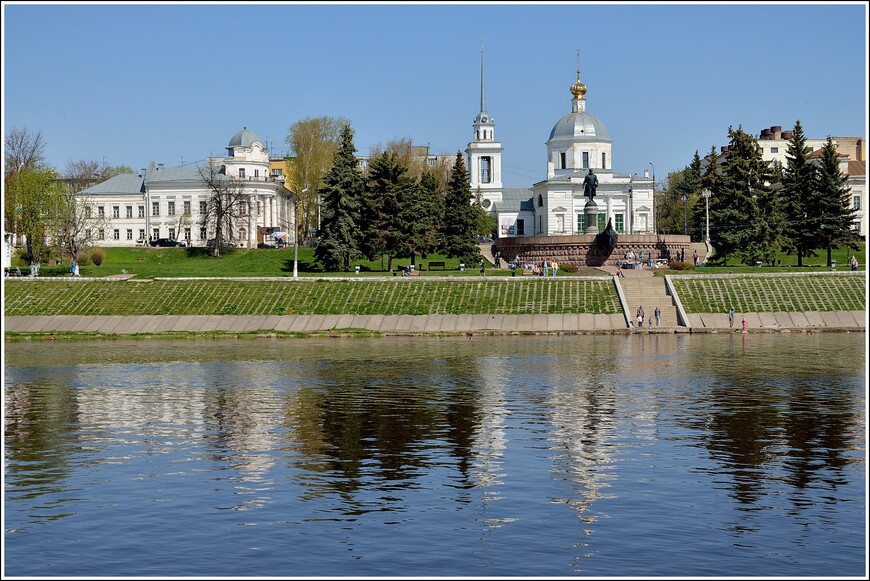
[642, 455]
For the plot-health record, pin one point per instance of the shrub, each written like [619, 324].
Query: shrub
[98, 255]
[568, 268]
[677, 265]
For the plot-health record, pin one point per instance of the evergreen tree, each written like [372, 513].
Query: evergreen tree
[381, 216]
[697, 206]
[420, 211]
[836, 214]
[799, 197]
[744, 213]
[711, 180]
[460, 218]
[342, 191]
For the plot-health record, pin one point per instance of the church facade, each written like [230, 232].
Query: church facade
[556, 206]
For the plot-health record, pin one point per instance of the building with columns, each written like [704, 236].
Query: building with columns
[170, 202]
[578, 142]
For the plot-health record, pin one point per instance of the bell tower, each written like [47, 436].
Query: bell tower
[484, 152]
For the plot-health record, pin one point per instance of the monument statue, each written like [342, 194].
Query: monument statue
[590, 184]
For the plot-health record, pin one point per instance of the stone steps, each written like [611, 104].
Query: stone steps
[641, 288]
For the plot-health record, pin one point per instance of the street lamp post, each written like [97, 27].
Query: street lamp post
[655, 222]
[296, 232]
[685, 198]
[707, 194]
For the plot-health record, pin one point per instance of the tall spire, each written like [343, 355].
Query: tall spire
[482, 83]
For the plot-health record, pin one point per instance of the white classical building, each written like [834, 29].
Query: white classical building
[161, 202]
[555, 206]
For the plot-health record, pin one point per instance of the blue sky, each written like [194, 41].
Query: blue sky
[135, 83]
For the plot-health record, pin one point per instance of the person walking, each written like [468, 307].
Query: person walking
[731, 317]
[658, 313]
[640, 316]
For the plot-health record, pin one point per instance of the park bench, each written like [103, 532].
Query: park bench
[436, 263]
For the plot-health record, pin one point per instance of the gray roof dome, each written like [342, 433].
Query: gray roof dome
[244, 138]
[580, 126]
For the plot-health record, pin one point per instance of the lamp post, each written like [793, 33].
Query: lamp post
[631, 204]
[685, 198]
[296, 232]
[655, 222]
[707, 194]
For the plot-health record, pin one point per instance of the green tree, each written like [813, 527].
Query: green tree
[35, 193]
[458, 238]
[380, 220]
[313, 142]
[743, 213]
[835, 211]
[342, 193]
[421, 210]
[800, 198]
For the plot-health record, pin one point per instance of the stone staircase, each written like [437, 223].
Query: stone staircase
[641, 288]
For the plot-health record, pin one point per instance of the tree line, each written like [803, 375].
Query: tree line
[390, 212]
[758, 209]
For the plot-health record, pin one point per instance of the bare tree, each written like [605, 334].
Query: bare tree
[227, 204]
[314, 141]
[76, 223]
[24, 150]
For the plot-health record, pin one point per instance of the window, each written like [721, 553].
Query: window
[540, 224]
[116, 234]
[277, 172]
[585, 160]
[155, 208]
[603, 160]
[116, 212]
[540, 200]
[602, 222]
[187, 207]
[88, 212]
[431, 162]
[170, 209]
[101, 235]
[560, 222]
[187, 233]
[156, 232]
[172, 233]
[130, 232]
[620, 223]
[242, 234]
[774, 150]
[259, 212]
[562, 160]
[856, 202]
[141, 211]
[129, 211]
[202, 233]
[485, 170]
[203, 207]
[141, 233]
[521, 227]
[256, 173]
[88, 233]
[101, 212]
[581, 223]
[241, 173]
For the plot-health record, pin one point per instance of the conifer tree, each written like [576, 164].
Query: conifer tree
[744, 213]
[799, 198]
[836, 214]
[381, 215]
[460, 218]
[421, 210]
[342, 191]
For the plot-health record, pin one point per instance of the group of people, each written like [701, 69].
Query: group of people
[74, 269]
[744, 324]
[641, 316]
[542, 268]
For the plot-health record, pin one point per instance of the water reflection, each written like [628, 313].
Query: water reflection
[500, 456]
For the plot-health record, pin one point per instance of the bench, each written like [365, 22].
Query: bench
[528, 272]
[436, 263]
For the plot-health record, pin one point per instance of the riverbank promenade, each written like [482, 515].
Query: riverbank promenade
[97, 307]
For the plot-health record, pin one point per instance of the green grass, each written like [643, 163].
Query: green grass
[400, 296]
[773, 293]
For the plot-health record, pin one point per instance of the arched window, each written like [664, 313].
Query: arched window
[540, 200]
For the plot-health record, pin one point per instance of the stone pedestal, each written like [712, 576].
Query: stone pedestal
[591, 213]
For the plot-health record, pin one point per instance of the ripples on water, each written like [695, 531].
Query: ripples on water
[508, 456]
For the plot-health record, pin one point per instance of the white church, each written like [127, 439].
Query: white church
[555, 206]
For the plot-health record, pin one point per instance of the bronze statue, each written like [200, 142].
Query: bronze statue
[590, 184]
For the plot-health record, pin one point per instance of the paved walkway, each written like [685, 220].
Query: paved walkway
[423, 324]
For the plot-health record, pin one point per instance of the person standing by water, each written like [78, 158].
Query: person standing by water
[640, 314]
[658, 313]
[745, 325]
[731, 317]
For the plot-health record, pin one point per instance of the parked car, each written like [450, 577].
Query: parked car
[166, 242]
